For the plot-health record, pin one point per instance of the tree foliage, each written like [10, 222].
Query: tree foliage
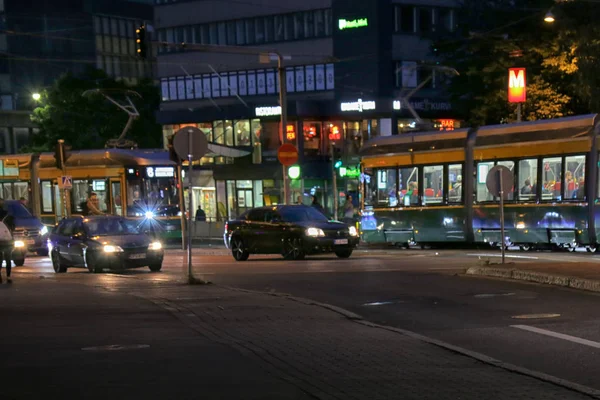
[87, 122]
[562, 59]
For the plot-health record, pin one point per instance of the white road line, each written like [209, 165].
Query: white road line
[507, 256]
[557, 335]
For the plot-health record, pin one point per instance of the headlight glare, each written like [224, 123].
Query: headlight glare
[315, 232]
[149, 214]
[109, 248]
[155, 246]
[352, 231]
[44, 230]
[19, 244]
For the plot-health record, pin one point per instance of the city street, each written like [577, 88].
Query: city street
[546, 329]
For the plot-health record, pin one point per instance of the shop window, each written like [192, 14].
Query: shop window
[207, 128]
[312, 137]
[221, 201]
[218, 132]
[228, 133]
[231, 193]
[242, 133]
[527, 182]
[433, 184]
[551, 176]
[258, 193]
[574, 182]
[455, 182]
[408, 189]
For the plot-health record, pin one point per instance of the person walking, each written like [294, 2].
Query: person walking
[7, 228]
[315, 204]
[200, 214]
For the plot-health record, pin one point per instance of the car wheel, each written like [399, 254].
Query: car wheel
[292, 249]
[238, 250]
[91, 263]
[155, 267]
[59, 268]
[43, 252]
[343, 253]
[19, 262]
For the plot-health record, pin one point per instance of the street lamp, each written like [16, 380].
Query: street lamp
[36, 96]
[549, 17]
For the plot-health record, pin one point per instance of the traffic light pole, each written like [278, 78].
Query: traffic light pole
[283, 123]
[334, 180]
[65, 194]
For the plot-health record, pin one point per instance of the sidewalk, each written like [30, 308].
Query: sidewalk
[190, 342]
[577, 275]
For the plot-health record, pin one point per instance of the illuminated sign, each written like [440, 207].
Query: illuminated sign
[267, 111]
[334, 133]
[350, 172]
[517, 85]
[310, 132]
[423, 105]
[446, 124]
[358, 105]
[164, 172]
[290, 132]
[352, 24]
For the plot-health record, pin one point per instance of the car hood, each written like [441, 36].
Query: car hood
[124, 241]
[28, 223]
[325, 225]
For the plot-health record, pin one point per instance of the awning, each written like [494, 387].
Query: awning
[218, 150]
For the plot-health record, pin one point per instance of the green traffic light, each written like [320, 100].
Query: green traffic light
[337, 164]
[294, 172]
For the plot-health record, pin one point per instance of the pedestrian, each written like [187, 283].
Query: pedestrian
[315, 204]
[348, 208]
[200, 214]
[7, 227]
[93, 205]
[299, 201]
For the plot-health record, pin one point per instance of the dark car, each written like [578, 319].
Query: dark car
[30, 233]
[292, 231]
[99, 242]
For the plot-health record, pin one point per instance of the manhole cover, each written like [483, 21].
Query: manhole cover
[116, 347]
[535, 316]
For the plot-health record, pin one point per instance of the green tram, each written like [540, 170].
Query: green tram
[429, 188]
[140, 184]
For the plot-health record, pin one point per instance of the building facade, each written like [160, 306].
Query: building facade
[354, 70]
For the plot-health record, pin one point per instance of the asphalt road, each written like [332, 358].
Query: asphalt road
[546, 329]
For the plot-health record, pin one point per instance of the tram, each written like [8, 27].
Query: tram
[140, 184]
[429, 188]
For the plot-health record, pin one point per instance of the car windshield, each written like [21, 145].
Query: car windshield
[18, 210]
[111, 227]
[302, 214]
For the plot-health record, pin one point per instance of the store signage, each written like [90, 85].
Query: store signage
[423, 105]
[352, 24]
[350, 172]
[290, 132]
[334, 133]
[267, 111]
[517, 85]
[358, 105]
[446, 124]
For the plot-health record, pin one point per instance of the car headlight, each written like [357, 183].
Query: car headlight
[149, 214]
[109, 248]
[19, 244]
[352, 231]
[155, 246]
[315, 232]
[44, 230]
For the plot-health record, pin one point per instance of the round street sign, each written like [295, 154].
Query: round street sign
[287, 154]
[190, 140]
[493, 181]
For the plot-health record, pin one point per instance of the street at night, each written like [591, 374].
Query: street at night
[151, 335]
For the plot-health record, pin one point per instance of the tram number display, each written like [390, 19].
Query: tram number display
[153, 172]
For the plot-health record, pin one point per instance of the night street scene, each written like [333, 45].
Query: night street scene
[300, 199]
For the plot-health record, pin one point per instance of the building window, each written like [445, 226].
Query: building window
[319, 23]
[405, 19]
[222, 38]
[444, 21]
[328, 22]
[425, 20]
[279, 28]
[250, 34]
[309, 29]
[259, 33]
[298, 26]
[231, 33]
[288, 23]
[240, 33]
[269, 29]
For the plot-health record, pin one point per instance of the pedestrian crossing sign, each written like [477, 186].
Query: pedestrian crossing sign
[65, 182]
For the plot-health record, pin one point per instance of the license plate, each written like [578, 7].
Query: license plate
[340, 241]
[137, 256]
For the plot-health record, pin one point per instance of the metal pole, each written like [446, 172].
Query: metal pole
[283, 104]
[189, 208]
[518, 112]
[181, 202]
[334, 181]
[61, 147]
[501, 214]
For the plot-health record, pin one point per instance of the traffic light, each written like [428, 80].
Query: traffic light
[338, 164]
[140, 42]
[62, 152]
[294, 172]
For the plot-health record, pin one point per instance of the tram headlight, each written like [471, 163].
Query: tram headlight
[149, 215]
[44, 230]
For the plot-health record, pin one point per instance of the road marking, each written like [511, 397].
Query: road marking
[487, 295]
[535, 316]
[507, 256]
[379, 303]
[116, 347]
[557, 335]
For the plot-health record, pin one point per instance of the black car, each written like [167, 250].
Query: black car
[99, 242]
[292, 231]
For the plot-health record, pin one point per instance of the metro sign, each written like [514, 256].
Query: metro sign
[517, 85]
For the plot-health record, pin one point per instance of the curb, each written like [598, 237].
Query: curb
[573, 282]
[575, 387]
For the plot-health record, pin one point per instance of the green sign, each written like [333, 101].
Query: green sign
[355, 23]
[349, 172]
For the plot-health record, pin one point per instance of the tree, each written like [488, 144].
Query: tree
[562, 59]
[88, 122]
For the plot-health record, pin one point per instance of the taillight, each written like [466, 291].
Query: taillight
[226, 226]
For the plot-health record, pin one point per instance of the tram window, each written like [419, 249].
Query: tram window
[511, 166]
[408, 192]
[47, 197]
[7, 192]
[21, 189]
[134, 191]
[115, 188]
[574, 181]
[551, 176]
[527, 182]
[481, 188]
[381, 189]
[433, 184]
[455, 183]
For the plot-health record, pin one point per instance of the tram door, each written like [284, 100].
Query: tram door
[116, 200]
[245, 200]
